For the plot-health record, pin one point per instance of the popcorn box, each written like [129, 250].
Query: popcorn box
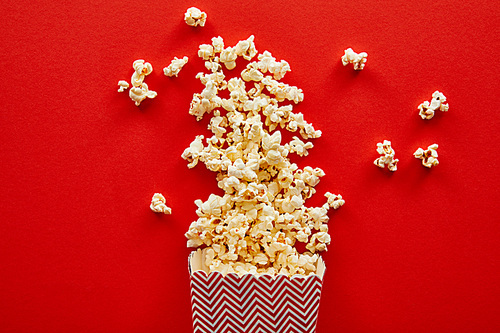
[251, 304]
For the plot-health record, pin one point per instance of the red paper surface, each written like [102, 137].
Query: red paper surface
[412, 251]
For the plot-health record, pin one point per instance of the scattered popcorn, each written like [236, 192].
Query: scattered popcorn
[429, 157]
[426, 109]
[195, 17]
[158, 204]
[253, 226]
[140, 90]
[175, 66]
[388, 159]
[357, 59]
[123, 85]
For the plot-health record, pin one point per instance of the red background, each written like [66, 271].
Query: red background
[412, 251]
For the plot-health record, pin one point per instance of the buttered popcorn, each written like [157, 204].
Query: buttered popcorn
[254, 225]
[387, 158]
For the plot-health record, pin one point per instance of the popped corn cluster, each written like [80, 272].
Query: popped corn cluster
[387, 157]
[195, 17]
[429, 156]
[158, 204]
[357, 59]
[175, 66]
[254, 225]
[427, 110]
[140, 89]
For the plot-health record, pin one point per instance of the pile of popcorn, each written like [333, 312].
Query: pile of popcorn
[254, 226]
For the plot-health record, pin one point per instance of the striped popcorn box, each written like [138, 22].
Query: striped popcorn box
[250, 303]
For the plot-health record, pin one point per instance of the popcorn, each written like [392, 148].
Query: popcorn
[253, 225]
[158, 204]
[141, 70]
[175, 66]
[283, 91]
[334, 200]
[265, 61]
[228, 57]
[246, 48]
[426, 109]
[268, 63]
[193, 152]
[357, 59]
[195, 17]
[123, 85]
[206, 101]
[206, 51]
[140, 90]
[252, 74]
[388, 159]
[138, 94]
[218, 44]
[319, 240]
[298, 146]
[429, 156]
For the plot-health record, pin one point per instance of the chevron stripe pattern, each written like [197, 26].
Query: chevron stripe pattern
[251, 304]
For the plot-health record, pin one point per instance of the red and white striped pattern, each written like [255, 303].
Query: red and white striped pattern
[251, 304]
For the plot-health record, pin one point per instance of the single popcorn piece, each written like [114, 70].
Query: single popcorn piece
[218, 44]
[123, 85]
[206, 52]
[335, 201]
[388, 159]
[429, 157]
[175, 66]
[246, 48]
[357, 59]
[142, 69]
[195, 17]
[228, 57]
[138, 94]
[427, 110]
[299, 147]
[251, 74]
[158, 204]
